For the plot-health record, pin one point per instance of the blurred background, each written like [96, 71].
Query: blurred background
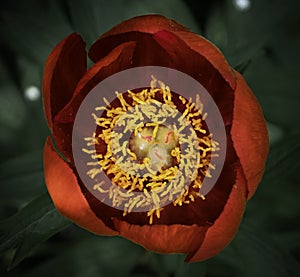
[259, 38]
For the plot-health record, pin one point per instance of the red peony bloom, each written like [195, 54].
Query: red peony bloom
[152, 149]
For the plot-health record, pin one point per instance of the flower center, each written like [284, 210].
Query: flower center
[152, 153]
[155, 144]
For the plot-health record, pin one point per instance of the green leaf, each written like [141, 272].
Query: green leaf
[21, 179]
[274, 209]
[244, 35]
[275, 133]
[253, 253]
[183, 269]
[259, 255]
[274, 84]
[272, 44]
[243, 66]
[283, 158]
[32, 225]
[175, 9]
[92, 256]
[175, 265]
[275, 206]
[13, 112]
[33, 28]
[245, 38]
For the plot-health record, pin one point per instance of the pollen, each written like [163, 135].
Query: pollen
[154, 154]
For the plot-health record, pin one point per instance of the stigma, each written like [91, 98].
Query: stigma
[155, 143]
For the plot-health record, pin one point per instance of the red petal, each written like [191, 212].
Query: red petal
[64, 67]
[199, 65]
[249, 134]
[165, 48]
[206, 49]
[220, 234]
[163, 238]
[152, 24]
[66, 194]
[117, 60]
[148, 24]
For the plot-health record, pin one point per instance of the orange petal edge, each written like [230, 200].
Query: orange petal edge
[163, 238]
[65, 192]
[220, 234]
[249, 134]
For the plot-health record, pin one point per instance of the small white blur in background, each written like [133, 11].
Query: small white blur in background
[32, 93]
[242, 5]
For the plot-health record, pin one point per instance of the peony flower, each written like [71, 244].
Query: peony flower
[140, 163]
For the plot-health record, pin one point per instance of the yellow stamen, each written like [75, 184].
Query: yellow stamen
[160, 161]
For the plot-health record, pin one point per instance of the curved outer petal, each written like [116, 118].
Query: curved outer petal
[249, 134]
[205, 48]
[117, 60]
[220, 234]
[197, 65]
[163, 238]
[64, 67]
[152, 24]
[66, 194]
[148, 24]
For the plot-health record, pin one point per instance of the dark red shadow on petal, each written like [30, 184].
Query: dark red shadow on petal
[147, 52]
[64, 67]
[117, 60]
[131, 30]
[183, 58]
[206, 49]
[164, 48]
